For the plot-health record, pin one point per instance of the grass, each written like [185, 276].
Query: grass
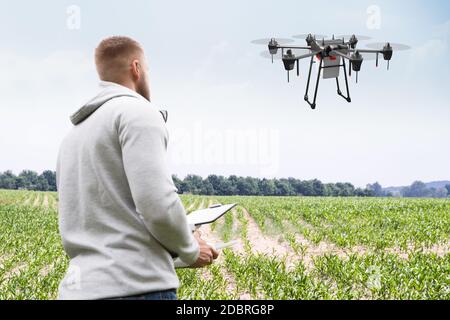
[396, 233]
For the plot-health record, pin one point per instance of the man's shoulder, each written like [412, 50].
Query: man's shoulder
[130, 109]
[127, 102]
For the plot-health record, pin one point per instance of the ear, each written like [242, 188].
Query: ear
[136, 69]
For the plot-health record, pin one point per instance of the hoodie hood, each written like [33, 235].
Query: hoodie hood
[108, 91]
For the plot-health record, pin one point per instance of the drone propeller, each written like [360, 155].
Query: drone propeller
[359, 37]
[387, 49]
[395, 46]
[369, 56]
[265, 41]
[304, 36]
[267, 55]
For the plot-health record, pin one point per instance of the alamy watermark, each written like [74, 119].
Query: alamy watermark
[256, 147]
[373, 21]
[73, 21]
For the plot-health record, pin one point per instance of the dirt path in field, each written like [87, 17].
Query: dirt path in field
[210, 236]
[45, 203]
[37, 200]
[302, 250]
[201, 205]
[55, 203]
[324, 247]
[27, 201]
[440, 249]
[46, 270]
[3, 258]
[263, 244]
[312, 250]
[13, 272]
[281, 248]
[52, 202]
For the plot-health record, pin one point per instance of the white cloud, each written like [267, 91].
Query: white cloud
[60, 70]
[211, 59]
[422, 57]
[442, 31]
[436, 46]
[37, 95]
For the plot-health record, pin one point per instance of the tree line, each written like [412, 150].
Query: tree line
[28, 180]
[249, 186]
[420, 190]
[244, 186]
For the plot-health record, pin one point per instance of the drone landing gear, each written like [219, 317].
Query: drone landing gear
[346, 85]
[313, 104]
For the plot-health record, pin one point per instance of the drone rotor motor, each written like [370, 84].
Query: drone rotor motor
[309, 39]
[289, 61]
[273, 46]
[353, 41]
[387, 53]
[356, 62]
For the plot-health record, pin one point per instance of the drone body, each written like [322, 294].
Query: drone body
[331, 56]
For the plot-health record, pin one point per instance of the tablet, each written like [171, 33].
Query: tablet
[209, 215]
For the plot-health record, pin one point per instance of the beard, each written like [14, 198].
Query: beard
[143, 88]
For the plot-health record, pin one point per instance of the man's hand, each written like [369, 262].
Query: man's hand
[207, 253]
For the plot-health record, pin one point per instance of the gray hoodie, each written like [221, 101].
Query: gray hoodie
[120, 218]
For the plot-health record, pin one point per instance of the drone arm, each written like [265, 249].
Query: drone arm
[366, 51]
[294, 47]
[304, 56]
[343, 55]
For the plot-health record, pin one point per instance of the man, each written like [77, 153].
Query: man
[120, 218]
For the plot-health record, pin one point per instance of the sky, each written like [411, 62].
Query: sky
[230, 110]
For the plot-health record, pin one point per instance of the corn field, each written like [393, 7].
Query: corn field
[289, 248]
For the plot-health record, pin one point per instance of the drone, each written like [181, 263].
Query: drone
[331, 55]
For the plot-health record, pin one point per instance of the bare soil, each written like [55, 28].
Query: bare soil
[45, 202]
[27, 201]
[37, 200]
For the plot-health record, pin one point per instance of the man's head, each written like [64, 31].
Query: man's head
[122, 60]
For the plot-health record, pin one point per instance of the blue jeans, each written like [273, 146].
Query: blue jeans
[158, 295]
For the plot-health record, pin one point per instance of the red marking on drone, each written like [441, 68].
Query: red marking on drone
[331, 58]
